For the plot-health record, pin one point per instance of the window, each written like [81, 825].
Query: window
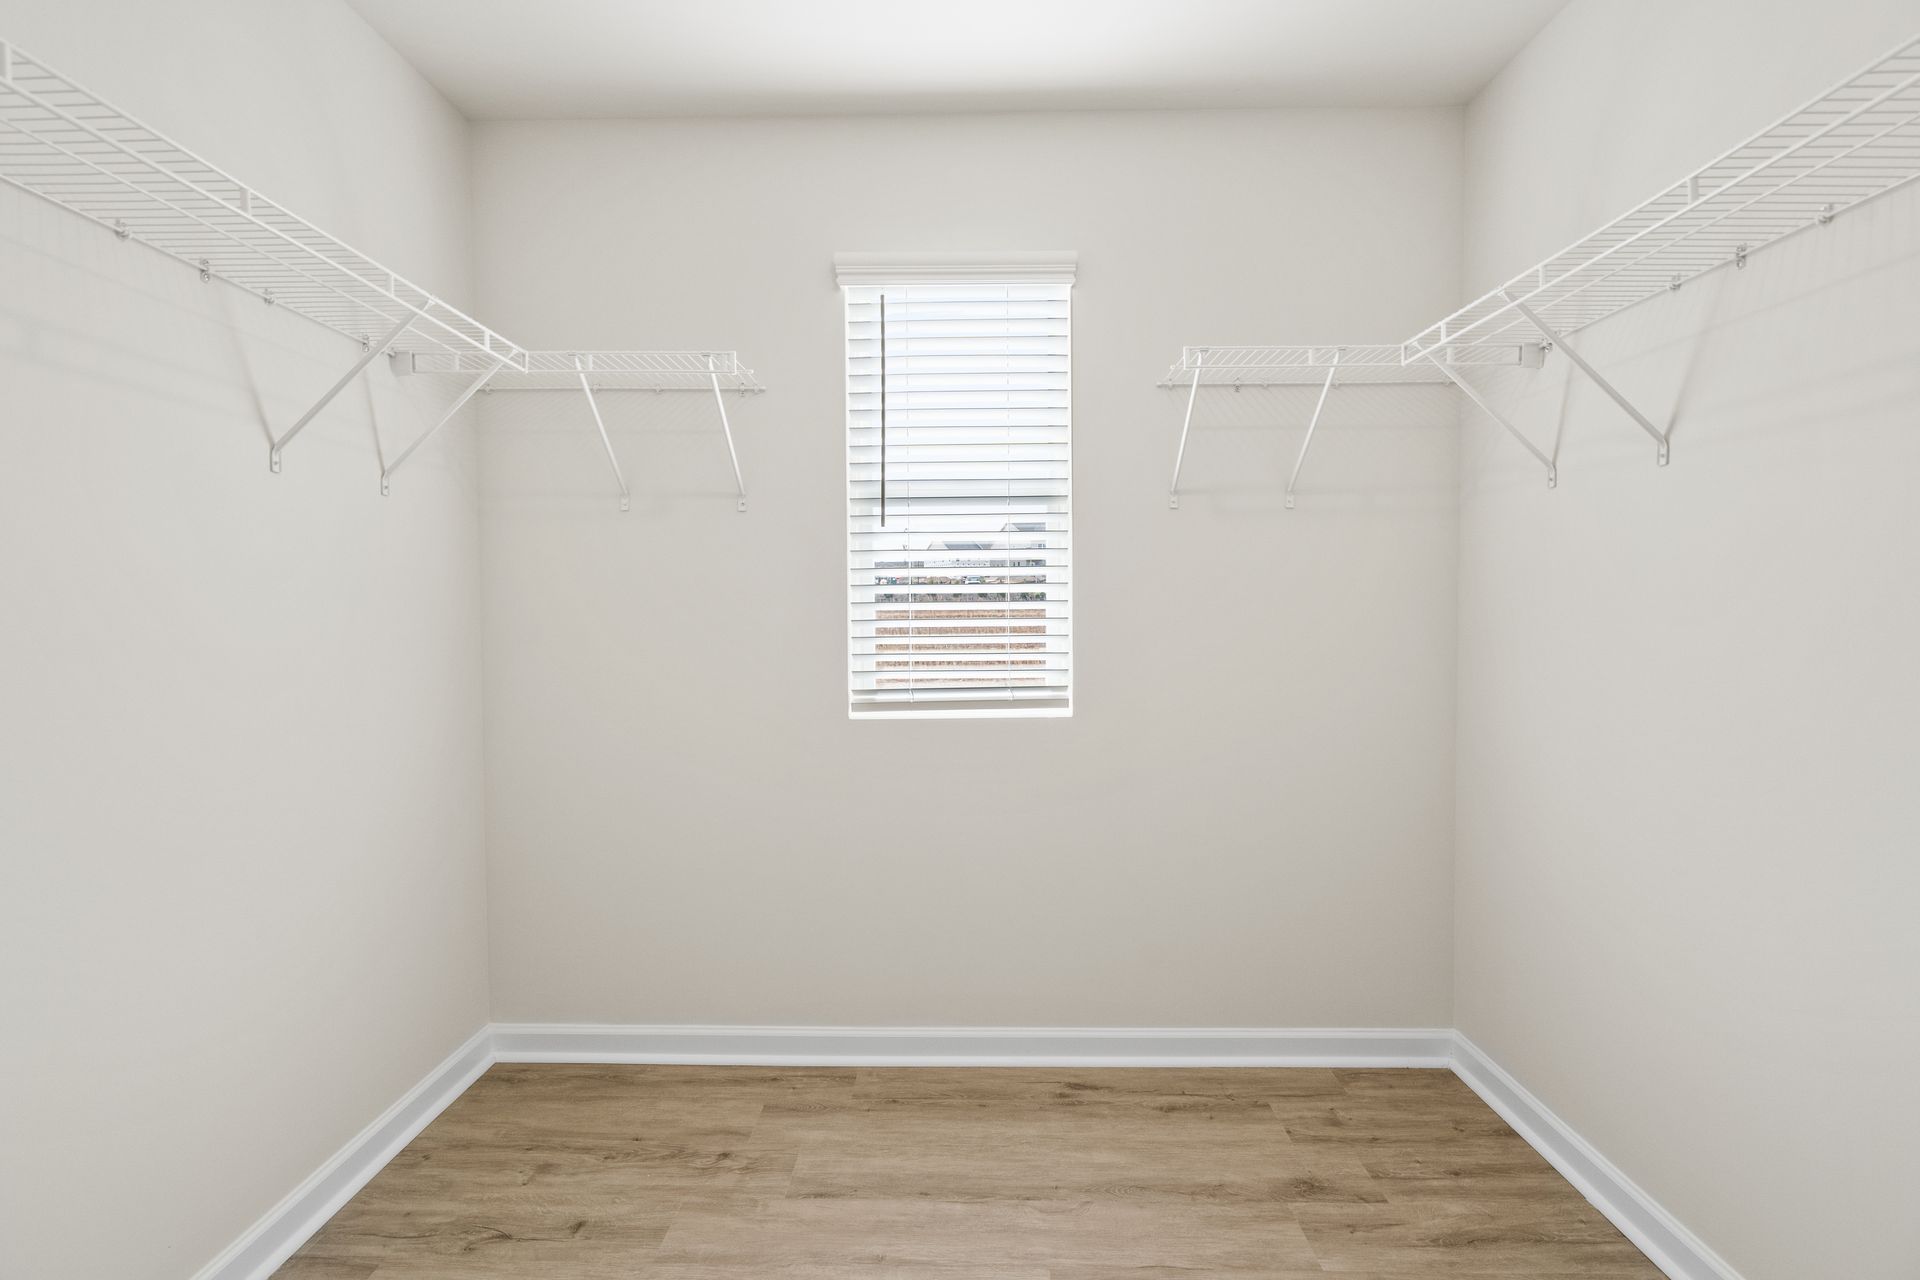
[959, 485]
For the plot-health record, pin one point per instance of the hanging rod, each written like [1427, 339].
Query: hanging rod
[65, 144]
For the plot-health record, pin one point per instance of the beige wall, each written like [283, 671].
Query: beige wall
[242, 898]
[1688, 698]
[244, 906]
[1246, 820]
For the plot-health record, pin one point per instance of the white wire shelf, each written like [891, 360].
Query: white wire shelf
[605, 370]
[1308, 366]
[1857, 141]
[1854, 143]
[67, 145]
[1325, 367]
[592, 373]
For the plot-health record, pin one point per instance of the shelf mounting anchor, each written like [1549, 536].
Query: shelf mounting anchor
[368, 352]
[1312, 423]
[1186, 424]
[473, 388]
[1646, 425]
[626, 498]
[1467, 388]
[720, 401]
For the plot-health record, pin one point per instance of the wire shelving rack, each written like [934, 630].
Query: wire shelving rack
[1317, 366]
[1854, 143]
[65, 144]
[1223, 366]
[593, 373]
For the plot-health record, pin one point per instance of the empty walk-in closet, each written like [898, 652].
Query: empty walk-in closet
[905, 640]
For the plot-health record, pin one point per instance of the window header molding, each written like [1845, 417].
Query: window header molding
[1044, 266]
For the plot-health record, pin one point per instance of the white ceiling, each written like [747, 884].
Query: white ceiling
[558, 58]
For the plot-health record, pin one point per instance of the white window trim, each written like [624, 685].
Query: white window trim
[1056, 266]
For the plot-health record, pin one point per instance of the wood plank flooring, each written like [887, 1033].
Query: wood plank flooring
[698, 1173]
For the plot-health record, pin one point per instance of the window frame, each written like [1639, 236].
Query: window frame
[896, 270]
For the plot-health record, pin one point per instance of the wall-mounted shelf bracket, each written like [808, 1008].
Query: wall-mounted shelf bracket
[1312, 424]
[581, 366]
[1186, 425]
[1613, 393]
[473, 389]
[1467, 389]
[726, 429]
[368, 355]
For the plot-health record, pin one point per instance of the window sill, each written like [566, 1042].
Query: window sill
[961, 713]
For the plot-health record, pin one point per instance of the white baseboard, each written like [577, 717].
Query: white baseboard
[975, 1046]
[1655, 1232]
[287, 1226]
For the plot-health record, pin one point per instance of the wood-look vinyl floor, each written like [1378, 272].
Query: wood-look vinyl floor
[699, 1173]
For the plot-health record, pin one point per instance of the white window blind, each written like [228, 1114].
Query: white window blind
[959, 501]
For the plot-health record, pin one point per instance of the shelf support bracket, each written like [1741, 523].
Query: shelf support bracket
[1312, 423]
[1646, 425]
[626, 498]
[1186, 424]
[386, 472]
[1467, 388]
[373, 352]
[720, 402]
